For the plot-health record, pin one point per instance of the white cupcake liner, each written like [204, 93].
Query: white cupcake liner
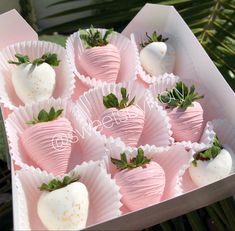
[34, 49]
[162, 84]
[87, 143]
[75, 48]
[174, 160]
[104, 196]
[136, 39]
[156, 131]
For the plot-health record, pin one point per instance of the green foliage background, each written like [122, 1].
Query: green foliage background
[212, 22]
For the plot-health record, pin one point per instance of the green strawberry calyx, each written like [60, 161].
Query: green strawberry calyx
[94, 38]
[180, 96]
[111, 100]
[44, 116]
[153, 38]
[57, 184]
[208, 154]
[49, 58]
[139, 161]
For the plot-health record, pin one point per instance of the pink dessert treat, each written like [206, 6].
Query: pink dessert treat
[186, 116]
[100, 60]
[141, 180]
[48, 142]
[122, 119]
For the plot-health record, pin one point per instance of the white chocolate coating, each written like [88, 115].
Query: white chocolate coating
[65, 208]
[34, 83]
[207, 172]
[158, 58]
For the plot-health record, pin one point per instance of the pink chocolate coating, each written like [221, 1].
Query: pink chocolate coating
[142, 186]
[102, 63]
[127, 123]
[49, 144]
[187, 125]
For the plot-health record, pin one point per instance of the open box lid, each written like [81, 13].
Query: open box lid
[192, 64]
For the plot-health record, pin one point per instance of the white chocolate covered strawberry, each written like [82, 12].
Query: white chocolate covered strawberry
[122, 119]
[48, 141]
[186, 115]
[100, 60]
[141, 180]
[211, 165]
[157, 56]
[34, 81]
[64, 204]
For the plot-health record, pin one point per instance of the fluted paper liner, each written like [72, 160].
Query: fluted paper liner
[174, 160]
[87, 144]
[142, 74]
[65, 81]
[104, 196]
[156, 131]
[75, 48]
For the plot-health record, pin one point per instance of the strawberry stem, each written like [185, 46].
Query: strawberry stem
[180, 96]
[153, 38]
[111, 100]
[57, 184]
[139, 161]
[44, 116]
[49, 58]
[94, 38]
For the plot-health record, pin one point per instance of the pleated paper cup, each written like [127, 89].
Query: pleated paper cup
[157, 129]
[65, 81]
[75, 49]
[104, 196]
[205, 142]
[87, 144]
[136, 40]
[174, 160]
[163, 84]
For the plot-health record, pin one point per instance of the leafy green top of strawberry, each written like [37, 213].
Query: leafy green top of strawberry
[44, 116]
[139, 161]
[208, 154]
[94, 38]
[111, 100]
[49, 58]
[57, 184]
[180, 96]
[153, 38]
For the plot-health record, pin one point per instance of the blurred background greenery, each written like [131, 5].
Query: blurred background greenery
[212, 22]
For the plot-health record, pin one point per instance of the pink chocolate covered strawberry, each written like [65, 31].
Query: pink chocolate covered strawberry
[186, 115]
[101, 60]
[141, 180]
[122, 119]
[48, 141]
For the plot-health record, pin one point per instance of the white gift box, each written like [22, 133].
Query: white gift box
[193, 66]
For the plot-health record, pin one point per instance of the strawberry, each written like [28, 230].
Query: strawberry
[40, 144]
[34, 81]
[186, 116]
[64, 204]
[101, 60]
[122, 119]
[157, 56]
[141, 180]
[211, 165]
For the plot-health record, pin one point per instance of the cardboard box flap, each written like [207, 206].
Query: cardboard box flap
[13, 29]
